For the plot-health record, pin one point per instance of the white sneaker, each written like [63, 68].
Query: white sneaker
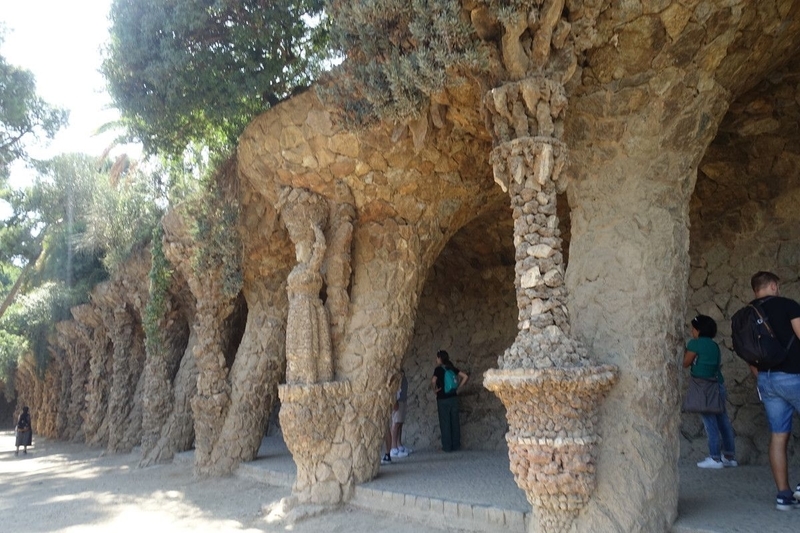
[398, 453]
[708, 462]
[406, 450]
[729, 463]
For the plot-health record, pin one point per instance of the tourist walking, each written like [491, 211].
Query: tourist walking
[702, 356]
[446, 381]
[24, 431]
[779, 386]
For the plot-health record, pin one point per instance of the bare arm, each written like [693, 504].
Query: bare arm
[796, 326]
[688, 358]
[462, 379]
[433, 385]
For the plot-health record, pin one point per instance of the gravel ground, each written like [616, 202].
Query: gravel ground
[71, 488]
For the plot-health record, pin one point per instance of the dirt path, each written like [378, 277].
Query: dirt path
[71, 488]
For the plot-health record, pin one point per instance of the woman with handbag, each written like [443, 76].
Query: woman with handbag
[702, 355]
[24, 431]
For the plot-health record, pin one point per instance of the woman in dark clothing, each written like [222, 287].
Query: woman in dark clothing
[24, 432]
[445, 382]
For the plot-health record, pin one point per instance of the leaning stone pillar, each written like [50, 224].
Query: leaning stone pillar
[547, 382]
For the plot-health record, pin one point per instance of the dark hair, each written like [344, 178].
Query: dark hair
[445, 357]
[705, 326]
[762, 279]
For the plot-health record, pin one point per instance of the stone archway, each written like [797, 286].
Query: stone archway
[743, 219]
[467, 307]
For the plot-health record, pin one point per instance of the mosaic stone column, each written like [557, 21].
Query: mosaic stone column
[312, 404]
[548, 384]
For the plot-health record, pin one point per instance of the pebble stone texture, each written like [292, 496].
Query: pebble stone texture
[545, 379]
[550, 387]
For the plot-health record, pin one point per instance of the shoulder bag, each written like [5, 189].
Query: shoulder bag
[703, 397]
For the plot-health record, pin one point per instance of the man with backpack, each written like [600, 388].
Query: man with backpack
[777, 371]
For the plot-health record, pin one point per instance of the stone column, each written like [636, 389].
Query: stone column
[547, 382]
[311, 402]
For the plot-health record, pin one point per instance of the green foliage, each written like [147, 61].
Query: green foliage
[156, 309]
[213, 215]
[40, 233]
[121, 216]
[29, 324]
[12, 349]
[58, 196]
[399, 53]
[199, 70]
[23, 114]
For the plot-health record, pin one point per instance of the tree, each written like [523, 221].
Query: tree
[400, 53]
[41, 231]
[183, 71]
[23, 114]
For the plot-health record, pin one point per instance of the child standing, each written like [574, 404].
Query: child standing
[702, 355]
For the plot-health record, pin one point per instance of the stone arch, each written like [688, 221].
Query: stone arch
[467, 307]
[234, 325]
[743, 219]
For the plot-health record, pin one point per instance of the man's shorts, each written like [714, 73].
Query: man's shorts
[399, 416]
[780, 393]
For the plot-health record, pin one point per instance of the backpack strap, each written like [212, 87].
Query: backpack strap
[761, 317]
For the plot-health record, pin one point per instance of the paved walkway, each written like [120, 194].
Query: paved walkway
[475, 491]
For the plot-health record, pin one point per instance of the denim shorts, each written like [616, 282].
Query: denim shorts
[780, 393]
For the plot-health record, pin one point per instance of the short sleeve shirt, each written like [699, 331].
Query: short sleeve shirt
[402, 392]
[438, 373]
[707, 363]
[781, 311]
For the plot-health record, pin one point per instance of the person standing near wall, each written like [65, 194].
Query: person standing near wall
[703, 357]
[447, 399]
[24, 431]
[779, 386]
[399, 417]
[394, 432]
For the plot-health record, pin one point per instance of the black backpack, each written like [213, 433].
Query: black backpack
[753, 338]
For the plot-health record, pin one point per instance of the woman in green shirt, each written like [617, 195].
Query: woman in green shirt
[702, 355]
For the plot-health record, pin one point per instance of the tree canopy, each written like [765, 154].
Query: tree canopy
[23, 113]
[79, 220]
[183, 71]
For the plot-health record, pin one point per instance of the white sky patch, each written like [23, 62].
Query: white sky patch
[60, 42]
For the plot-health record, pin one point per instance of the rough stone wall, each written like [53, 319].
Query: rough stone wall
[411, 188]
[468, 308]
[744, 218]
[652, 95]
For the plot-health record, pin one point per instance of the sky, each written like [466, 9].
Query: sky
[60, 41]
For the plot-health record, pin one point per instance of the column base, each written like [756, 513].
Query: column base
[552, 437]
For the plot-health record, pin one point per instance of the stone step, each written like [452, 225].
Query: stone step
[441, 513]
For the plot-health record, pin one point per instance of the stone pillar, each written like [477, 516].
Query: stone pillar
[547, 382]
[312, 403]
